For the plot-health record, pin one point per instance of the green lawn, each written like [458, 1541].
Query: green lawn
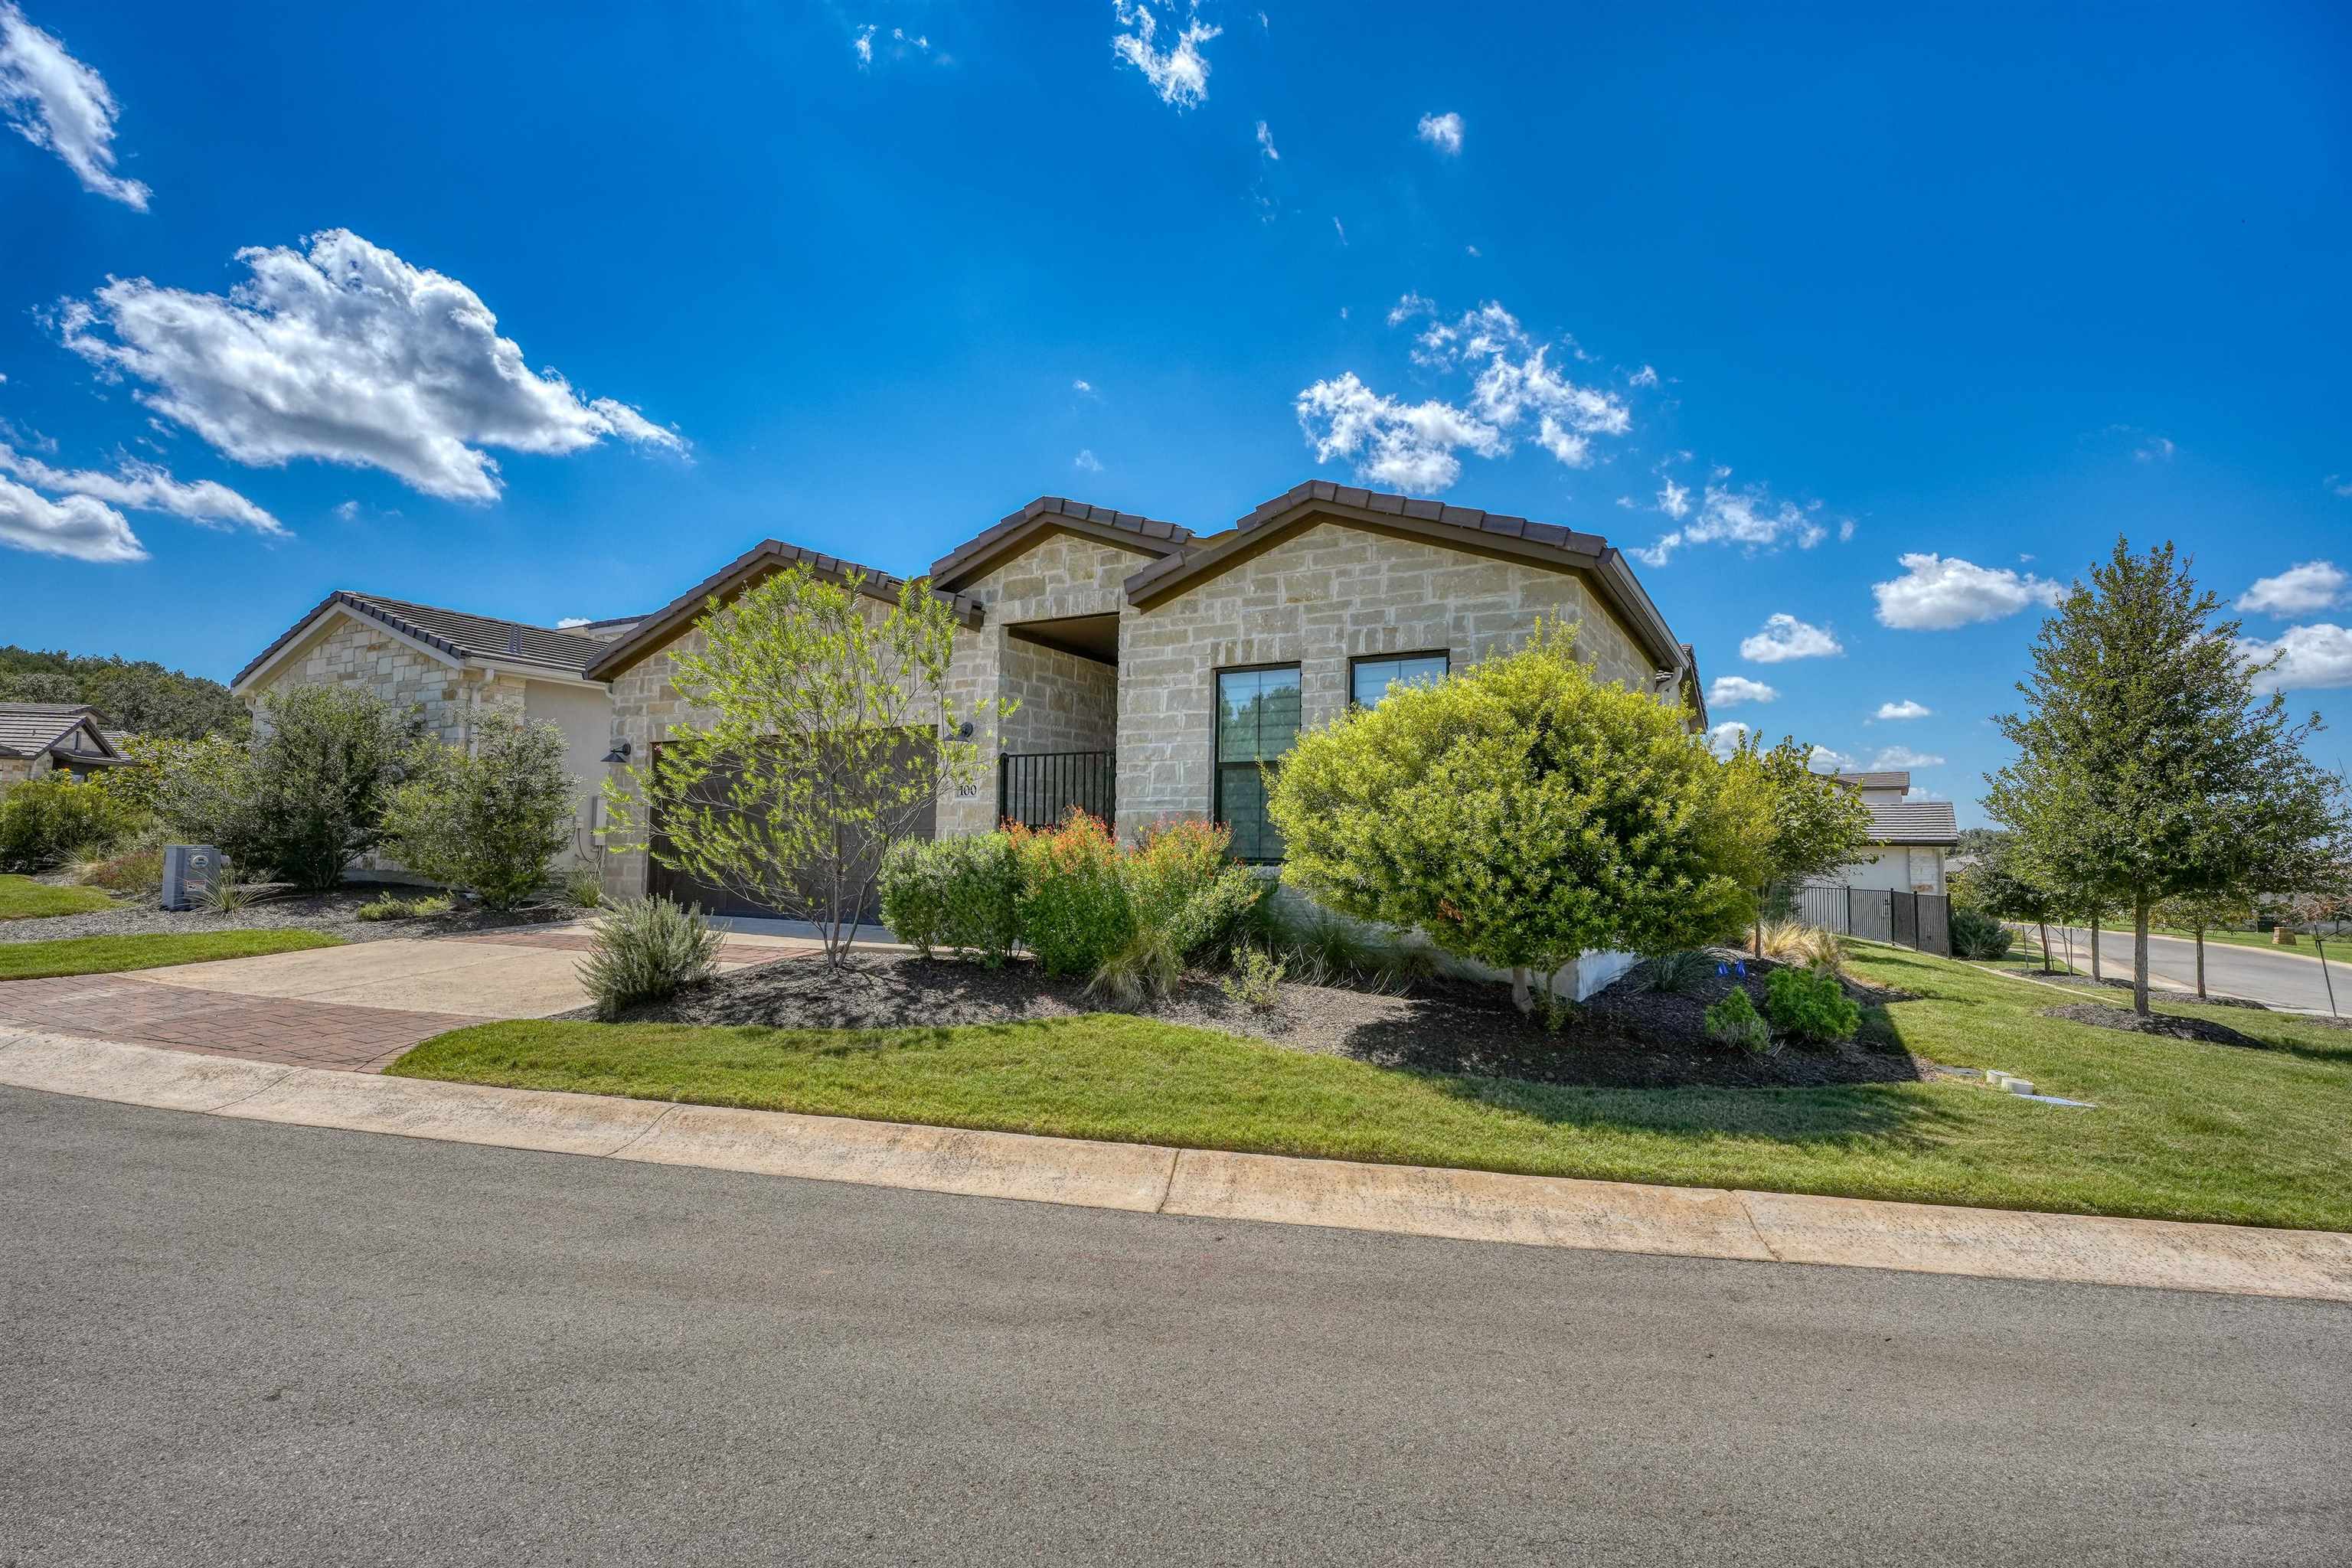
[111, 955]
[21, 897]
[2183, 1130]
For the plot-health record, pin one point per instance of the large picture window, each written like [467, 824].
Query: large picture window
[1374, 678]
[1257, 721]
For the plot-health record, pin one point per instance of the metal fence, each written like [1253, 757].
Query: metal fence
[1921, 920]
[1038, 789]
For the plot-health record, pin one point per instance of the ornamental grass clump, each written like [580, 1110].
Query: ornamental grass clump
[644, 950]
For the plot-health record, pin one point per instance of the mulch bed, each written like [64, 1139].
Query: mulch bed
[1626, 1037]
[277, 909]
[2172, 1026]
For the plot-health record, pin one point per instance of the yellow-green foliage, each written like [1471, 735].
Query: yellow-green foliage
[1519, 814]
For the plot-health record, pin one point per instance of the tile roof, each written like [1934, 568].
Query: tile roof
[1886, 778]
[1046, 510]
[1913, 822]
[462, 637]
[28, 728]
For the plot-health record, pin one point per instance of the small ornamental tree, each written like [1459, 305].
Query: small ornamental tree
[1793, 822]
[309, 796]
[829, 735]
[1520, 813]
[491, 818]
[1998, 885]
[2194, 913]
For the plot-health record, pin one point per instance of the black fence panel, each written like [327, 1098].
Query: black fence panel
[1037, 789]
[1920, 921]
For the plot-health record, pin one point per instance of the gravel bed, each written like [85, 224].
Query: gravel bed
[1624, 1037]
[277, 909]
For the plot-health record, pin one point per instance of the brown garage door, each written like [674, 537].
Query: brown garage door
[665, 882]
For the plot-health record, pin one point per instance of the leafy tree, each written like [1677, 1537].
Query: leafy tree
[2195, 911]
[1520, 813]
[142, 697]
[491, 819]
[2145, 767]
[831, 733]
[1999, 886]
[1795, 824]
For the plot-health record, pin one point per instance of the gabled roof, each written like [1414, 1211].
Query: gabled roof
[1049, 514]
[1885, 778]
[465, 638]
[770, 555]
[1913, 822]
[1458, 527]
[29, 729]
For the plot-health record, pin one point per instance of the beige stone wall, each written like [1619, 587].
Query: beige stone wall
[14, 770]
[1068, 703]
[1319, 599]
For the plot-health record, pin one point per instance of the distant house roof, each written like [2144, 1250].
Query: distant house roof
[1894, 778]
[32, 728]
[1459, 527]
[1049, 514]
[460, 635]
[658, 629]
[1922, 821]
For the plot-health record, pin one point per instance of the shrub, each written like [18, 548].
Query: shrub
[1181, 880]
[1519, 814]
[643, 950]
[1978, 935]
[1811, 1004]
[961, 894]
[1255, 978]
[224, 895]
[1734, 1021]
[54, 818]
[582, 887]
[490, 819]
[1678, 973]
[1073, 909]
[392, 908]
[133, 871]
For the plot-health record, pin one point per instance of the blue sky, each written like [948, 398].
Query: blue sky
[1842, 290]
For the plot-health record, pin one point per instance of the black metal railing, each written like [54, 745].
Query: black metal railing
[1921, 920]
[1038, 789]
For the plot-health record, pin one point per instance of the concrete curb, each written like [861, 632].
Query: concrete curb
[1465, 1206]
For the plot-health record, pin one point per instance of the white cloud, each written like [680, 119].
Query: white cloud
[54, 100]
[349, 512]
[1724, 738]
[1658, 554]
[1675, 500]
[349, 354]
[1645, 377]
[1751, 518]
[2298, 590]
[1785, 637]
[1409, 446]
[1086, 462]
[144, 487]
[2310, 658]
[1822, 759]
[864, 45]
[1082, 387]
[1731, 690]
[1179, 73]
[1906, 709]
[568, 622]
[1936, 593]
[1266, 144]
[1442, 132]
[2154, 449]
[1410, 305]
[1341, 229]
[78, 528]
[2339, 484]
[1905, 757]
[915, 40]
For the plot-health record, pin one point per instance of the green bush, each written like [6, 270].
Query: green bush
[131, 871]
[49, 820]
[391, 907]
[582, 887]
[962, 894]
[1978, 935]
[1074, 911]
[643, 950]
[490, 819]
[1734, 1021]
[1811, 1004]
[1254, 979]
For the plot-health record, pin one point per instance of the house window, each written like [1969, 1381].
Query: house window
[1376, 678]
[1257, 721]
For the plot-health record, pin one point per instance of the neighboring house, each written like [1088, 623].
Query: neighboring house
[36, 738]
[1157, 670]
[1909, 839]
[453, 667]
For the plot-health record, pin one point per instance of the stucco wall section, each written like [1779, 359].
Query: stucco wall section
[1319, 599]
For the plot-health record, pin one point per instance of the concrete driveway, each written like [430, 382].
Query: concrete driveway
[358, 1006]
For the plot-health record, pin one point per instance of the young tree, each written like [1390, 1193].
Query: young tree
[491, 818]
[1998, 885]
[1797, 823]
[2197, 911]
[2146, 768]
[830, 733]
[1520, 813]
[327, 764]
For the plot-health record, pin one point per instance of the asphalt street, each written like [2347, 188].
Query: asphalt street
[237, 1342]
[2288, 978]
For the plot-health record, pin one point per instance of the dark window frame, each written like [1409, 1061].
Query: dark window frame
[1217, 764]
[1363, 658]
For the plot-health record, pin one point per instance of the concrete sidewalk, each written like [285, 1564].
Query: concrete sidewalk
[1537, 1211]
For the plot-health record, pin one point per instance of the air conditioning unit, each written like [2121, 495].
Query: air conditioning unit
[189, 872]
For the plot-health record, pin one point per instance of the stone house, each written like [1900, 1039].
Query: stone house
[1156, 669]
[37, 738]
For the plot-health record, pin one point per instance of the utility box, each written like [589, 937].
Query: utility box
[189, 872]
